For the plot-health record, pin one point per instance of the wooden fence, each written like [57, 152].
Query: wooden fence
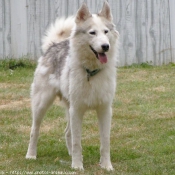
[146, 27]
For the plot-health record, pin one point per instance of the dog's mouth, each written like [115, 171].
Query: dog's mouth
[100, 56]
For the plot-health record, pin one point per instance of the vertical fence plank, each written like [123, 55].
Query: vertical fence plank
[119, 20]
[7, 29]
[129, 32]
[18, 28]
[172, 28]
[164, 50]
[148, 26]
[95, 6]
[59, 9]
[72, 7]
[140, 30]
[34, 29]
[124, 18]
[1, 28]
[31, 28]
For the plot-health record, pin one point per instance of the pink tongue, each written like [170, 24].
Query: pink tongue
[102, 57]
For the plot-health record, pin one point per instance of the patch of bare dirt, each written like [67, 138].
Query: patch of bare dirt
[16, 104]
[9, 85]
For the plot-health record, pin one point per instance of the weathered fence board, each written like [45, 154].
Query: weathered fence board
[1, 29]
[5, 28]
[172, 28]
[146, 27]
[18, 28]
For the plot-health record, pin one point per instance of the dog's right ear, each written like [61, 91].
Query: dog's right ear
[83, 14]
[106, 11]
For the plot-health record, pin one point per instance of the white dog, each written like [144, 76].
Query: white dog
[79, 66]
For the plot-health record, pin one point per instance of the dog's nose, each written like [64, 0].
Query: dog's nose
[105, 47]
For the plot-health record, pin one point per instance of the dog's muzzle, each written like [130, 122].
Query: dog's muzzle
[101, 56]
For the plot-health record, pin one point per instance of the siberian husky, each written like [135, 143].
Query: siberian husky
[78, 65]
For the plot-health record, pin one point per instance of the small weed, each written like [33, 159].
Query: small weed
[17, 63]
[142, 65]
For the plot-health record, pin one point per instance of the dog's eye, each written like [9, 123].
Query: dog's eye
[106, 31]
[92, 33]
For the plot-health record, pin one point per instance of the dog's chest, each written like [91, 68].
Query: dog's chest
[98, 90]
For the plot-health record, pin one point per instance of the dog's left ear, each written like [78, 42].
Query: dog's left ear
[106, 11]
[83, 14]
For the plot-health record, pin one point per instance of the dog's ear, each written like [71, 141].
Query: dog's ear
[106, 11]
[83, 14]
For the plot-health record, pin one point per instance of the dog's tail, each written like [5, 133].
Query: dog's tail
[57, 32]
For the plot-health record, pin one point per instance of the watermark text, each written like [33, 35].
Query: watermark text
[37, 172]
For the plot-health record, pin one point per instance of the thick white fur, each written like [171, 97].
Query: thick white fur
[76, 91]
[57, 32]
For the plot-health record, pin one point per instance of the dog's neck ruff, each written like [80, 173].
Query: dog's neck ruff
[91, 73]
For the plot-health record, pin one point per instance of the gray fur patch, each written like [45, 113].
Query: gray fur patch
[55, 57]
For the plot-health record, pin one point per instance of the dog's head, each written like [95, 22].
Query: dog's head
[97, 32]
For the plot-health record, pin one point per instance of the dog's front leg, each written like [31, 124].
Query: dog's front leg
[76, 116]
[104, 117]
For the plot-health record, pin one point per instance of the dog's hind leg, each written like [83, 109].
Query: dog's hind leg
[41, 98]
[104, 118]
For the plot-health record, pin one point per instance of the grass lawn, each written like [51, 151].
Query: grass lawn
[142, 134]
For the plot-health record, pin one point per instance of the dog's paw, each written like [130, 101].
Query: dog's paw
[30, 157]
[77, 166]
[107, 166]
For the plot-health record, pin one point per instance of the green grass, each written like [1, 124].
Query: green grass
[143, 125]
